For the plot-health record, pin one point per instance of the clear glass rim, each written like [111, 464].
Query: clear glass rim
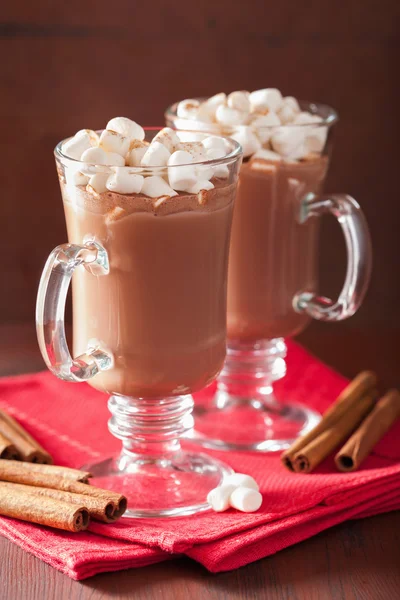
[328, 115]
[234, 154]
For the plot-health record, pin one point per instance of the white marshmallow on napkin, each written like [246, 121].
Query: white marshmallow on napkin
[156, 186]
[123, 181]
[241, 479]
[219, 497]
[127, 128]
[245, 499]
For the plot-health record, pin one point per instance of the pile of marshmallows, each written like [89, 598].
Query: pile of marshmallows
[238, 491]
[262, 119]
[122, 145]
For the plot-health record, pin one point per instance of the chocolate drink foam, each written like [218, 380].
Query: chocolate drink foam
[272, 255]
[157, 309]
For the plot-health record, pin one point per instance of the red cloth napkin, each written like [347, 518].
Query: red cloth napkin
[71, 422]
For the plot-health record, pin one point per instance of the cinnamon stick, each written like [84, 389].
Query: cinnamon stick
[7, 449]
[311, 455]
[27, 506]
[105, 507]
[371, 430]
[362, 384]
[37, 474]
[28, 448]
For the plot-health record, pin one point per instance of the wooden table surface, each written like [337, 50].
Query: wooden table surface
[358, 560]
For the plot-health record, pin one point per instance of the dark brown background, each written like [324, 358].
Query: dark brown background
[65, 66]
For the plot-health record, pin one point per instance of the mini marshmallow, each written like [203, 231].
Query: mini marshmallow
[315, 136]
[95, 156]
[289, 142]
[240, 101]
[168, 138]
[78, 178]
[247, 139]
[156, 155]
[245, 499]
[112, 141]
[137, 150]
[216, 148]
[201, 184]
[306, 118]
[206, 172]
[127, 128]
[93, 135]
[76, 146]
[191, 136]
[97, 183]
[221, 171]
[196, 149]
[205, 113]
[267, 155]
[219, 497]
[215, 153]
[181, 177]
[115, 214]
[187, 109]
[241, 479]
[213, 142]
[291, 102]
[316, 139]
[267, 98]
[229, 116]
[214, 101]
[114, 159]
[124, 181]
[156, 186]
[286, 114]
[263, 126]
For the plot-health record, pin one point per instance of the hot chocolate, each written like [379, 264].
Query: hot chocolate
[272, 255]
[157, 310]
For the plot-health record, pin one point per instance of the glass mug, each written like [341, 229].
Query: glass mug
[149, 323]
[272, 285]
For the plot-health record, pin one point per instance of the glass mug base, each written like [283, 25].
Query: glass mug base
[173, 486]
[244, 414]
[158, 478]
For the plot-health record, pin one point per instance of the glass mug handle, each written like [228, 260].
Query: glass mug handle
[359, 258]
[50, 309]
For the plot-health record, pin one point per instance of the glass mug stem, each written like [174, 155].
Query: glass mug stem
[359, 258]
